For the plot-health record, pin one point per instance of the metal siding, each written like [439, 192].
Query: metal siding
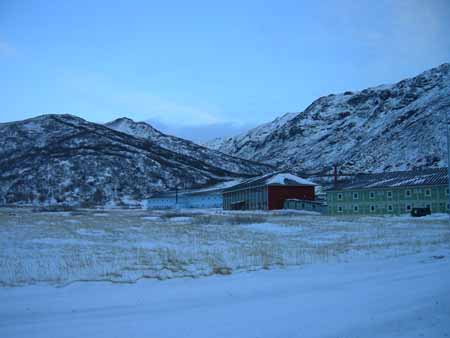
[268, 197]
[278, 194]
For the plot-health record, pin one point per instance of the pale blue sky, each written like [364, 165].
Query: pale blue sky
[197, 68]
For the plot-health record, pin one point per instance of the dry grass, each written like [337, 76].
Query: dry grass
[126, 245]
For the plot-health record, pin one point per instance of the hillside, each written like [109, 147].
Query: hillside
[389, 127]
[188, 148]
[65, 159]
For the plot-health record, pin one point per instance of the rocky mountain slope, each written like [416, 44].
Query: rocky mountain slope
[188, 148]
[65, 159]
[256, 134]
[385, 128]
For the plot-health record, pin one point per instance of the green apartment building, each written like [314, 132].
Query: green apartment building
[392, 193]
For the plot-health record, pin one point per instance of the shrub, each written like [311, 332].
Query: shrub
[222, 270]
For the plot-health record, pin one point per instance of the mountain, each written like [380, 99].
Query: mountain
[385, 128]
[65, 159]
[178, 145]
[255, 135]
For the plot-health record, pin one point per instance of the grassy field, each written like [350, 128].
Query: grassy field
[127, 245]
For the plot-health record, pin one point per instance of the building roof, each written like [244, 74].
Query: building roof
[215, 189]
[276, 178]
[394, 179]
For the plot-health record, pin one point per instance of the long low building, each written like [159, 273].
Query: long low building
[267, 192]
[391, 193]
[205, 198]
[186, 200]
[296, 204]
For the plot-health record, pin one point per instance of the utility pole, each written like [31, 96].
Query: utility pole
[335, 174]
[448, 160]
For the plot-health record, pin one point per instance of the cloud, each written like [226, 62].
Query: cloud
[201, 133]
[6, 49]
[103, 99]
[199, 123]
[169, 111]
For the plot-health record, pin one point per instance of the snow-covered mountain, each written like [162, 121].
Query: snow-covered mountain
[63, 158]
[389, 127]
[138, 129]
[188, 148]
[255, 135]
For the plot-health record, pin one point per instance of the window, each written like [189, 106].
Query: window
[339, 196]
[355, 208]
[390, 207]
[372, 195]
[448, 206]
[372, 208]
[446, 191]
[428, 206]
[340, 209]
[408, 207]
[427, 192]
[408, 193]
[355, 195]
[389, 194]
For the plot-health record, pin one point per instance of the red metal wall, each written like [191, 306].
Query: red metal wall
[277, 195]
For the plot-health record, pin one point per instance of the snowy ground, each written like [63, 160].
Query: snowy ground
[128, 245]
[278, 274]
[406, 296]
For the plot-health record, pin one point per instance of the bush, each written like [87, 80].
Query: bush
[99, 196]
[222, 270]
[55, 208]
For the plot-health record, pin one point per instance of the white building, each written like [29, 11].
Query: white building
[202, 198]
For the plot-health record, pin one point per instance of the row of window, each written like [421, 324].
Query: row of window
[300, 205]
[390, 208]
[408, 193]
[182, 199]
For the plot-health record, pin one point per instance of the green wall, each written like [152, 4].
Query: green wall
[393, 201]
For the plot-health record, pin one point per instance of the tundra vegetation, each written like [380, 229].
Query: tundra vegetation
[124, 246]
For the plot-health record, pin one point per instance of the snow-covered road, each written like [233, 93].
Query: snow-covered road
[401, 297]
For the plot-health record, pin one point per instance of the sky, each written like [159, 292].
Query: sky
[205, 69]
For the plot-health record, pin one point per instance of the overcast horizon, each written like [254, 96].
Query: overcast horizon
[202, 70]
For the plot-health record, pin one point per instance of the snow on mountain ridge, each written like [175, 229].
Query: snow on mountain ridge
[186, 147]
[388, 127]
[256, 133]
[65, 159]
[138, 129]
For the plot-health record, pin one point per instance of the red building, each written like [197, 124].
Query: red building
[267, 192]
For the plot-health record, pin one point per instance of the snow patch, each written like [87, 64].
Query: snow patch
[151, 218]
[282, 178]
[273, 228]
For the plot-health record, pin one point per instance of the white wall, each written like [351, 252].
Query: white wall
[186, 201]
